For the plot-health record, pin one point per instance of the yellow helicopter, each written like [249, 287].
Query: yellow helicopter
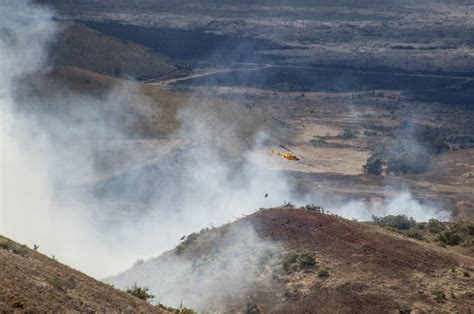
[290, 155]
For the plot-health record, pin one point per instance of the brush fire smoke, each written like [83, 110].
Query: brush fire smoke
[49, 162]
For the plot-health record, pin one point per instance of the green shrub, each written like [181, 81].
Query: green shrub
[400, 222]
[450, 237]
[141, 293]
[323, 273]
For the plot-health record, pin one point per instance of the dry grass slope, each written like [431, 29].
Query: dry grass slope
[33, 282]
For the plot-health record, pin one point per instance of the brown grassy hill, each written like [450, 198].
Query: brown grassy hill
[323, 264]
[30, 281]
[80, 46]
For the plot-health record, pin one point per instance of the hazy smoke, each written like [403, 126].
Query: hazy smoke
[55, 195]
[56, 191]
[237, 265]
[396, 203]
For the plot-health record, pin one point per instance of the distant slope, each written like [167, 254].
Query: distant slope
[369, 270]
[79, 46]
[32, 282]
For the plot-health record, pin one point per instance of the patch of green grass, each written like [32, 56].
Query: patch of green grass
[323, 273]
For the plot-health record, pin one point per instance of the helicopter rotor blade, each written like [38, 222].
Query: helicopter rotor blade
[287, 149]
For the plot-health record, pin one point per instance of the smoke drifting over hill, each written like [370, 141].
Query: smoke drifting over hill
[51, 192]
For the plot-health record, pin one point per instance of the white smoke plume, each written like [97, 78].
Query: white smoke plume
[396, 203]
[238, 265]
[47, 161]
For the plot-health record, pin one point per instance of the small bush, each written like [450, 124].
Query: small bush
[466, 274]
[439, 296]
[323, 273]
[288, 205]
[141, 293]
[314, 208]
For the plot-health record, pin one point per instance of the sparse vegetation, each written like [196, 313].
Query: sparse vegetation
[63, 283]
[298, 260]
[288, 205]
[187, 242]
[141, 293]
[9, 245]
[171, 309]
